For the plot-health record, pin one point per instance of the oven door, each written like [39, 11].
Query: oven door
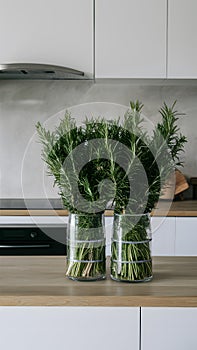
[32, 240]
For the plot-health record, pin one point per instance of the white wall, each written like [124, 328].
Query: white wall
[22, 104]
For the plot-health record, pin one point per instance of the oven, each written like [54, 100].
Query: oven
[20, 235]
[31, 240]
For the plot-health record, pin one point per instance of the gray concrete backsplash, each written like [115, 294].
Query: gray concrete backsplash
[23, 103]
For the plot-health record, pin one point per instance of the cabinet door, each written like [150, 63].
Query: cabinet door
[130, 38]
[109, 233]
[186, 236]
[182, 39]
[73, 328]
[40, 31]
[163, 236]
[169, 328]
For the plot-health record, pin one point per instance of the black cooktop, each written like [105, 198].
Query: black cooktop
[30, 203]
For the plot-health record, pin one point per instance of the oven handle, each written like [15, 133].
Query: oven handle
[26, 246]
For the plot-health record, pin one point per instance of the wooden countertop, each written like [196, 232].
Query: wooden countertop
[179, 208]
[39, 280]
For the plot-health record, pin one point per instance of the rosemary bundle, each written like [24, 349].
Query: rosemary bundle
[86, 247]
[131, 252]
[111, 161]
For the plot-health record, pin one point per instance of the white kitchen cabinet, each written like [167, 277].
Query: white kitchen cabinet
[109, 232]
[163, 235]
[75, 328]
[182, 39]
[53, 32]
[186, 236]
[130, 38]
[169, 328]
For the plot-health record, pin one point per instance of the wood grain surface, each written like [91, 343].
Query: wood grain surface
[40, 280]
[166, 208]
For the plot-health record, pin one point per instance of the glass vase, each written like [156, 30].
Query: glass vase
[86, 247]
[131, 248]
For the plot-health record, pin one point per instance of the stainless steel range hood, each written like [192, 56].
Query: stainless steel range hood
[39, 71]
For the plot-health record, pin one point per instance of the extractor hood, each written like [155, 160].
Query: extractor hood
[39, 71]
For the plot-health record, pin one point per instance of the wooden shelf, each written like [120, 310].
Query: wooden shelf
[34, 281]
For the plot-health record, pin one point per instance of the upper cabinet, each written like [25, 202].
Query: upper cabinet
[133, 38]
[182, 39]
[146, 39]
[52, 32]
[130, 38]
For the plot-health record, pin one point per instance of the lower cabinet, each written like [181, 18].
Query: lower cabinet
[87, 328]
[62, 328]
[168, 328]
[186, 236]
[174, 236]
[163, 235]
[109, 233]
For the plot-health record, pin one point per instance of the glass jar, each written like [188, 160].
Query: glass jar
[86, 247]
[131, 248]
